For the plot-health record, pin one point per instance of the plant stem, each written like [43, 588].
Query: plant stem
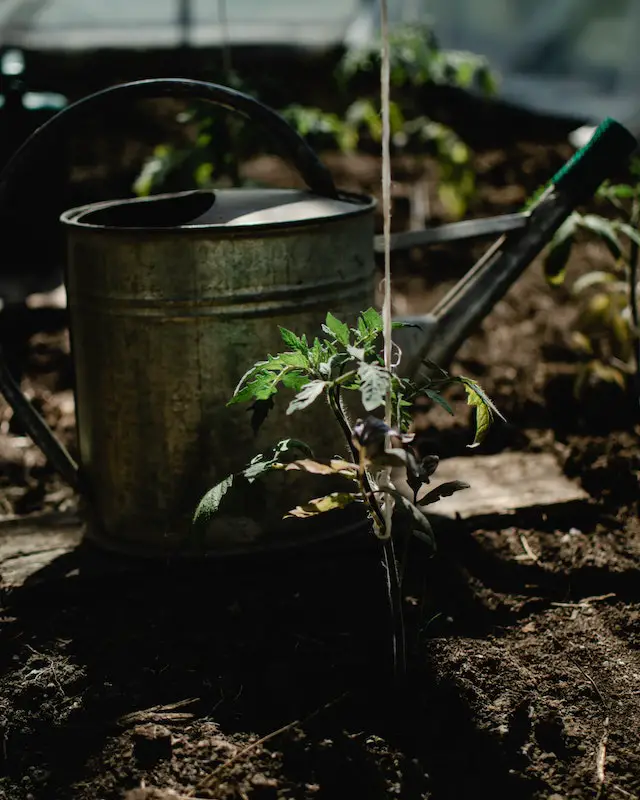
[394, 588]
[394, 591]
[634, 253]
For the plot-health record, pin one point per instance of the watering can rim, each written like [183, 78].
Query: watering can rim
[346, 206]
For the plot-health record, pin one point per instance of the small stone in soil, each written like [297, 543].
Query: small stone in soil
[151, 743]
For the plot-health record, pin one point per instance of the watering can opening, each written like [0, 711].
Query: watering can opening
[236, 208]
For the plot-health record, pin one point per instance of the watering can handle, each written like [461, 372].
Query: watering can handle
[315, 174]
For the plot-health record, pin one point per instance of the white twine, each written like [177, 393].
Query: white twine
[385, 71]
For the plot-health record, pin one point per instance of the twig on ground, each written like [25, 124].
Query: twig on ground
[212, 779]
[602, 698]
[623, 791]
[601, 757]
[586, 601]
[527, 548]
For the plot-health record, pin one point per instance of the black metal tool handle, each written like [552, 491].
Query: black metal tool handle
[438, 336]
[294, 148]
[454, 232]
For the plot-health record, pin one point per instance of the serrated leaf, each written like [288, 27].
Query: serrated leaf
[334, 467]
[444, 490]
[295, 380]
[210, 503]
[261, 381]
[357, 353]
[293, 340]
[320, 505]
[306, 396]
[371, 320]
[258, 468]
[334, 362]
[275, 458]
[336, 328]
[261, 388]
[284, 447]
[375, 383]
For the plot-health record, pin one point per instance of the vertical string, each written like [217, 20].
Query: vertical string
[386, 192]
[226, 43]
[386, 212]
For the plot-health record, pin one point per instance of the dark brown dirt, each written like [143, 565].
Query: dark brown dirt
[271, 678]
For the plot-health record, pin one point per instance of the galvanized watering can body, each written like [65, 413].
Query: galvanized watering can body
[164, 323]
[173, 298]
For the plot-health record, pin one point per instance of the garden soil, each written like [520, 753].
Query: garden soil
[271, 677]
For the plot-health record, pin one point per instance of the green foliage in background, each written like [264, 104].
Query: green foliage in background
[218, 146]
[606, 332]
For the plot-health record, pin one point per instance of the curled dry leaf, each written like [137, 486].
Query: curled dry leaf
[320, 505]
[334, 467]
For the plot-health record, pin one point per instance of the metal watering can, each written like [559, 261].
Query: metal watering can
[171, 298]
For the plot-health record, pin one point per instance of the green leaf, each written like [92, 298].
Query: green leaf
[336, 328]
[306, 396]
[210, 503]
[259, 467]
[444, 490]
[375, 383]
[285, 447]
[555, 262]
[620, 191]
[439, 399]
[295, 380]
[356, 353]
[629, 231]
[261, 381]
[275, 457]
[485, 409]
[603, 228]
[320, 505]
[370, 322]
[595, 278]
[293, 340]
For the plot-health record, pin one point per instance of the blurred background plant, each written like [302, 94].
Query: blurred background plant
[606, 331]
[216, 144]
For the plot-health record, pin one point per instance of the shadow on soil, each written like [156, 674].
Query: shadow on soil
[257, 645]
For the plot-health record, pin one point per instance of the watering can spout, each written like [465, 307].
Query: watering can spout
[437, 336]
